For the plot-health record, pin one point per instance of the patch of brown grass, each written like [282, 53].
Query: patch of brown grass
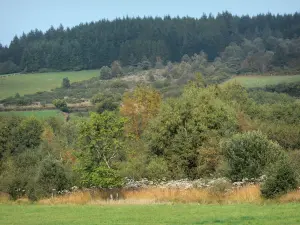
[4, 197]
[155, 195]
[80, 197]
[246, 194]
[293, 196]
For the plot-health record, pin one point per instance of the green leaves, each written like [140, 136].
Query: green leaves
[249, 154]
[185, 124]
[101, 142]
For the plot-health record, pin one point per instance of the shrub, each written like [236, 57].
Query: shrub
[66, 83]
[157, 169]
[102, 177]
[61, 105]
[248, 154]
[281, 178]
[51, 176]
[105, 73]
[119, 84]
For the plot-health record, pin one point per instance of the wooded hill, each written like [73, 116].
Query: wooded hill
[243, 42]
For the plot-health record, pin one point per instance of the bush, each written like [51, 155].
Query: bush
[61, 105]
[102, 177]
[157, 169]
[105, 73]
[51, 177]
[281, 178]
[248, 155]
[66, 83]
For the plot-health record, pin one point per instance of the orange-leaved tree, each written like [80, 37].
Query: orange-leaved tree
[139, 107]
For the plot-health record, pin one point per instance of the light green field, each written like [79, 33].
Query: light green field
[261, 81]
[150, 214]
[32, 83]
[43, 114]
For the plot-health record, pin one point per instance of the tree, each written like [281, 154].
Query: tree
[281, 178]
[139, 107]
[105, 73]
[66, 83]
[145, 63]
[29, 133]
[116, 69]
[249, 154]
[196, 119]
[61, 104]
[51, 176]
[105, 101]
[100, 139]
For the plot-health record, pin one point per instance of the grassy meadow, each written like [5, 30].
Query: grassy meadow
[32, 83]
[42, 114]
[150, 214]
[261, 81]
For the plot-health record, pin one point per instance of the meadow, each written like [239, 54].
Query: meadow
[32, 83]
[150, 214]
[41, 114]
[261, 81]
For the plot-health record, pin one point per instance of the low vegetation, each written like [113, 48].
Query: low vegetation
[260, 81]
[138, 214]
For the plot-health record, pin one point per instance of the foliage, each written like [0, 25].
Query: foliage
[102, 177]
[185, 124]
[51, 177]
[281, 178]
[106, 101]
[29, 132]
[157, 169]
[105, 73]
[66, 83]
[139, 107]
[60, 104]
[101, 142]
[116, 69]
[249, 154]
[18, 134]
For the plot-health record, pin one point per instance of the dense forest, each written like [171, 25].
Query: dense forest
[260, 43]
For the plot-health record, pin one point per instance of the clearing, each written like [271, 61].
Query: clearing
[150, 214]
[252, 81]
[32, 83]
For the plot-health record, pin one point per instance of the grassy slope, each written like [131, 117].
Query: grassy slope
[31, 83]
[43, 114]
[150, 214]
[261, 81]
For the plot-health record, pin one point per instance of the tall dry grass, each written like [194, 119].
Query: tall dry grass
[246, 194]
[293, 196]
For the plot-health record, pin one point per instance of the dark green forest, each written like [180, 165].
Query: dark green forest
[260, 43]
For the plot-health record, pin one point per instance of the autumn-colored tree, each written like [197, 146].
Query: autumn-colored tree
[139, 107]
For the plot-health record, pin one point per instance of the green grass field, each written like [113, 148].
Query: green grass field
[150, 214]
[32, 83]
[261, 81]
[43, 114]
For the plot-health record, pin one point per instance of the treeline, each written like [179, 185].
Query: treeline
[273, 39]
[208, 131]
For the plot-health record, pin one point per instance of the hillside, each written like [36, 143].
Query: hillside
[256, 44]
